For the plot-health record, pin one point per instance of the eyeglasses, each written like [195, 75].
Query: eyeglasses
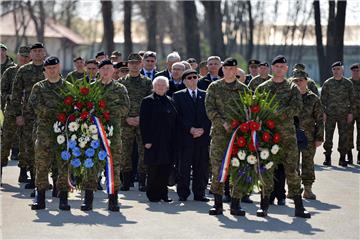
[191, 61]
[238, 76]
[192, 77]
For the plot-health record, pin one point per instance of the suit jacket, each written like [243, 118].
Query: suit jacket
[154, 72]
[174, 88]
[192, 114]
[205, 81]
[164, 73]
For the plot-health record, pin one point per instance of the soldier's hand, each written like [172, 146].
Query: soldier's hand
[350, 118]
[148, 145]
[324, 117]
[226, 126]
[130, 121]
[20, 121]
[318, 143]
[136, 121]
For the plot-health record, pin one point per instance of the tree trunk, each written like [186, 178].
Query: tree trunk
[319, 42]
[108, 26]
[39, 21]
[128, 45]
[250, 47]
[192, 35]
[151, 25]
[339, 30]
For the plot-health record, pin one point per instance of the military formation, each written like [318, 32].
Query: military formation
[30, 92]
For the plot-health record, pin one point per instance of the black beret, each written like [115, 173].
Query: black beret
[37, 45]
[92, 61]
[98, 54]
[299, 66]
[265, 64]
[187, 73]
[105, 62]
[77, 58]
[120, 65]
[279, 59]
[337, 64]
[253, 61]
[230, 62]
[51, 61]
[355, 66]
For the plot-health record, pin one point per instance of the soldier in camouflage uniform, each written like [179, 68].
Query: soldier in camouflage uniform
[311, 83]
[355, 79]
[25, 79]
[138, 87]
[289, 98]
[311, 121]
[337, 98]
[262, 77]
[219, 99]
[79, 71]
[43, 101]
[9, 138]
[5, 60]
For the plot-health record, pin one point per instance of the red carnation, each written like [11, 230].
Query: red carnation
[251, 146]
[266, 137]
[244, 127]
[61, 117]
[234, 151]
[84, 115]
[89, 105]
[102, 104]
[72, 118]
[84, 91]
[276, 138]
[106, 116]
[241, 141]
[68, 100]
[255, 109]
[234, 123]
[79, 105]
[254, 126]
[270, 124]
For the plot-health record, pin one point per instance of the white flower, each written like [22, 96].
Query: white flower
[235, 162]
[110, 130]
[73, 126]
[81, 139]
[93, 129]
[95, 137]
[60, 139]
[84, 126]
[269, 165]
[73, 137]
[251, 159]
[57, 127]
[87, 139]
[264, 154]
[275, 149]
[82, 144]
[241, 155]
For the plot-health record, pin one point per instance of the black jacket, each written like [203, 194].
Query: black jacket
[154, 72]
[204, 82]
[174, 88]
[164, 73]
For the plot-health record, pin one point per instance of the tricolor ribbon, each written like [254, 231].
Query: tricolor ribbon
[224, 169]
[254, 139]
[109, 168]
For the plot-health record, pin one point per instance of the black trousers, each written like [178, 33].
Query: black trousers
[194, 157]
[279, 183]
[158, 176]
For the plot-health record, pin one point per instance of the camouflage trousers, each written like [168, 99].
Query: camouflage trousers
[351, 133]
[116, 149]
[307, 164]
[343, 127]
[128, 136]
[27, 139]
[9, 139]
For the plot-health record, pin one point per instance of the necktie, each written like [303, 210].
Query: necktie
[193, 95]
[215, 78]
[148, 74]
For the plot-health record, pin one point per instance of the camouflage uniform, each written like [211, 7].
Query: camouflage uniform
[256, 81]
[337, 102]
[356, 115]
[44, 100]
[289, 98]
[25, 79]
[8, 63]
[219, 99]
[138, 88]
[311, 85]
[74, 75]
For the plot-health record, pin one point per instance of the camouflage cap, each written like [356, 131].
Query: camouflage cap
[24, 51]
[134, 57]
[253, 62]
[299, 66]
[115, 54]
[2, 46]
[297, 73]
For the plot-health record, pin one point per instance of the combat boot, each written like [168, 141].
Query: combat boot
[327, 161]
[342, 161]
[235, 208]
[264, 206]
[63, 203]
[31, 183]
[246, 199]
[88, 201]
[113, 204]
[227, 198]
[14, 154]
[126, 181]
[308, 194]
[39, 200]
[217, 209]
[23, 177]
[55, 189]
[300, 211]
[350, 158]
[142, 182]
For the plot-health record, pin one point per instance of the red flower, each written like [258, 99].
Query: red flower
[89, 105]
[234, 151]
[84, 115]
[241, 141]
[276, 138]
[106, 116]
[234, 123]
[72, 118]
[251, 146]
[84, 91]
[79, 105]
[102, 104]
[244, 127]
[254, 126]
[61, 117]
[266, 137]
[68, 100]
[255, 108]
[270, 124]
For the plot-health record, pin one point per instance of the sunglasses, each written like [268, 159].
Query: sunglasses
[237, 76]
[192, 77]
[191, 61]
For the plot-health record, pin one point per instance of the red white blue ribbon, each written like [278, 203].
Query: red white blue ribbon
[254, 139]
[224, 168]
[109, 168]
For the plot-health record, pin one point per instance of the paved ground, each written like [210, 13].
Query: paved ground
[335, 215]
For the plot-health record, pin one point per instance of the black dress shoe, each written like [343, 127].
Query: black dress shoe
[201, 199]
[166, 199]
[246, 199]
[182, 199]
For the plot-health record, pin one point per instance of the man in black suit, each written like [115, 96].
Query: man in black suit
[175, 82]
[149, 65]
[213, 65]
[253, 65]
[194, 138]
[170, 60]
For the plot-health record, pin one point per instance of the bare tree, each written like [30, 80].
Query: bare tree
[192, 34]
[151, 25]
[108, 25]
[128, 46]
[38, 16]
[251, 32]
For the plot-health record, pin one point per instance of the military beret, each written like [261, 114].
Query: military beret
[24, 51]
[51, 61]
[355, 66]
[337, 64]
[134, 57]
[105, 62]
[253, 61]
[191, 60]
[230, 62]
[120, 65]
[265, 64]
[298, 73]
[77, 58]
[299, 66]
[279, 59]
[37, 45]
[187, 73]
[149, 54]
[101, 53]
[93, 61]
[3, 46]
[115, 54]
